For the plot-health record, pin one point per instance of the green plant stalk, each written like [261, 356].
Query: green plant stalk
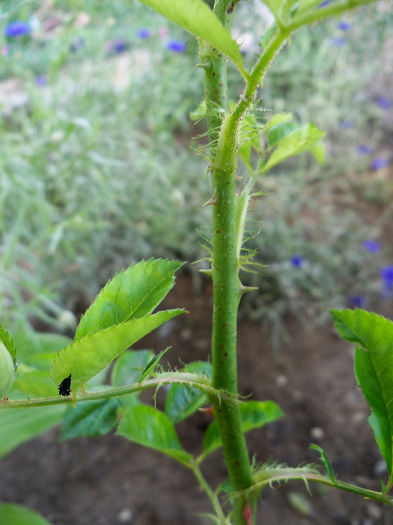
[198, 381]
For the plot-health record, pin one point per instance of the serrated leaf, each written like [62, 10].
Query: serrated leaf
[84, 358]
[94, 418]
[131, 294]
[295, 142]
[129, 366]
[254, 414]
[197, 18]
[151, 365]
[373, 369]
[149, 427]
[11, 514]
[325, 461]
[182, 400]
[17, 426]
[8, 342]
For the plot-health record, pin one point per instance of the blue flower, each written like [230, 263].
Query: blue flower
[339, 41]
[143, 33]
[379, 163]
[17, 28]
[346, 124]
[357, 301]
[177, 46]
[387, 279]
[371, 246]
[384, 103]
[116, 46]
[41, 80]
[79, 43]
[297, 261]
[344, 26]
[363, 149]
[326, 2]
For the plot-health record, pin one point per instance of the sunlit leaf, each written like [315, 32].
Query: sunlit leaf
[149, 427]
[254, 414]
[183, 400]
[84, 358]
[11, 514]
[293, 143]
[196, 17]
[132, 293]
[373, 369]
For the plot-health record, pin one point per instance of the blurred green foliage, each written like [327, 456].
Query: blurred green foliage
[96, 170]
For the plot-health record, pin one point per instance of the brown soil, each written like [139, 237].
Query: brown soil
[110, 481]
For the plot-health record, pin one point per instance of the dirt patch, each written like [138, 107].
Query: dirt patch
[110, 481]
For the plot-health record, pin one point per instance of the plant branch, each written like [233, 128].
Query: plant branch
[271, 475]
[211, 495]
[189, 379]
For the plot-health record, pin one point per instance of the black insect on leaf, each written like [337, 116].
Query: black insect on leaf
[65, 386]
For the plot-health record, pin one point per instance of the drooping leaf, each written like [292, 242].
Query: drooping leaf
[182, 400]
[11, 514]
[148, 426]
[325, 461]
[197, 18]
[84, 358]
[129, 366]
[94, 418]
[17, 426]
[151, 365]
[254, 414]
[8, 342]
[373, 369]
[132, 293]
[293, 143]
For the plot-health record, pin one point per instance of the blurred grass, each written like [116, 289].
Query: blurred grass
[96, 170]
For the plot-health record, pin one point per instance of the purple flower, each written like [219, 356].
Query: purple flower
[177, 46]
[116, 46]
[41, 80]
[371, 246]
[143, 33]
[383, 103]
[344, 26]
[326, 2]
[346, 124]
[17, 28]
[387, 279]
[363, 149]
[297, 261]
[379, 163]
[357, 301]
[339, 41]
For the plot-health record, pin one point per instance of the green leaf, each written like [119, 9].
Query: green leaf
[275, 7]
[200, 112]
[293, 143]
[325, 461]
[248, 136]
[8, 342]
[150, 427]
[129, 366]
[93, 418]
[281, 130]
[183, 400]
[319, 152]
[197, 18]
[151, 365]
[373, 369]
[30, 344]
[37, 383]
[254, 414]
[17, 426]
[11, 514]
[279, 118]
[84, 358]
[131, 294]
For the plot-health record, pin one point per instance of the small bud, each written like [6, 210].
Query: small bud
[208, 410]
[247, 514]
